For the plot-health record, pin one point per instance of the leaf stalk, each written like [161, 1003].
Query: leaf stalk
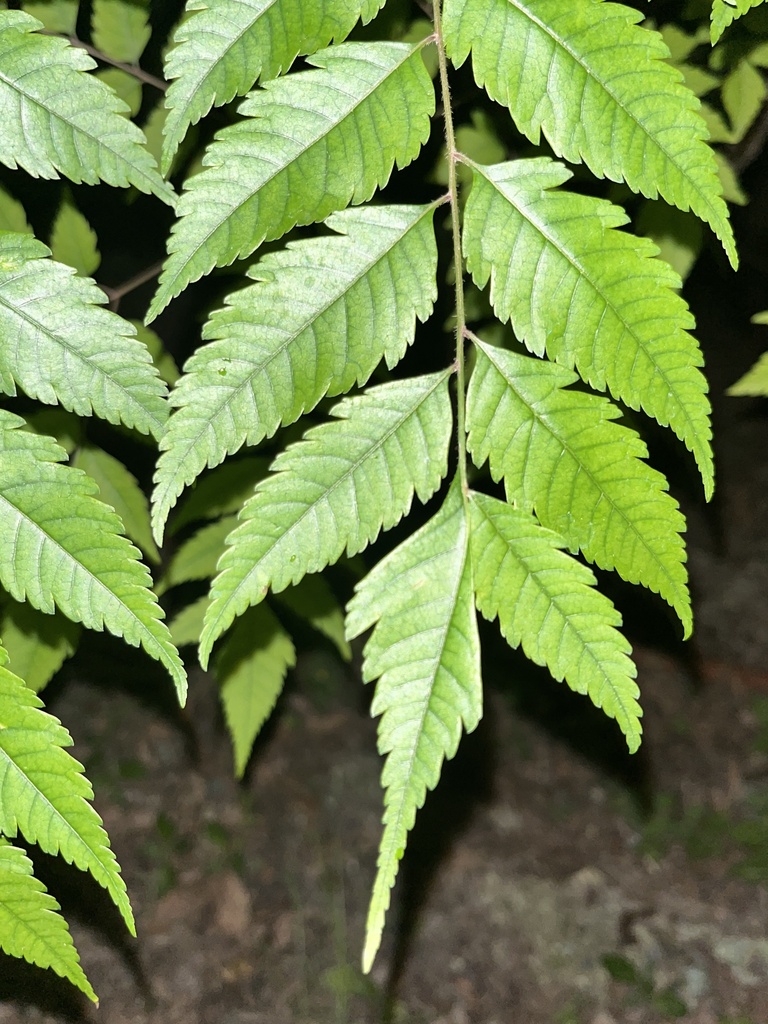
[453, 198]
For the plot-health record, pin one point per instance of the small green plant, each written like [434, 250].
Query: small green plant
[320, 195]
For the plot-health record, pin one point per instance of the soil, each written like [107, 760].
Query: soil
[550, 879]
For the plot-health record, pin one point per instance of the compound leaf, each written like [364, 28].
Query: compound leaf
[562, 457]
[227, 45]
[591, 296]
[60, 546]
[60, 346]
[425, 652]
[321, 316]
[334, 490]
[57, 118]
[546, 602]
[310, 144]
[599, 88]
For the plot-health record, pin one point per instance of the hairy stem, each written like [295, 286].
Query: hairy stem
[453, 196]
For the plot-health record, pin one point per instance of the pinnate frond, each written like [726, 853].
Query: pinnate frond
[425, 652]
[45, 796]
[562, 457]
[334, 491]
[320, 318]
[61, 547]
[590, 296]
[311, 143]
[227, 45]
[598, 87]
[31, 926]
[546, 602]
[59, 120]
[251, 667]
[60, 346]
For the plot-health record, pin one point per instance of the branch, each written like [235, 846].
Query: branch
[131, 69]
[119, 291]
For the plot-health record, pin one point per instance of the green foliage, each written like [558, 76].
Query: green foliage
[350, 251]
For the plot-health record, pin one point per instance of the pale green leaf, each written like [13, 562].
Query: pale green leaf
[120, 28]
[754, 383]
[58, 16]
[588, 295]
[598, 86]
[678, 235]
[227, 45]
[732, 190]
[724, 12]
[425, 652]
[320, 318]
[62, 547]
[251, 667]
[56, 118]
[561, 457]
[126, 87]
[187, 625]
[221, 491]
[546, 602]
[314, 601]
[37, 644]
[12, 214]
[73, 241]
[161, 357]
[46, 798]
[334, 491]
[743, 96]
[31, 926]
[198, 556]
[309, 144]
[59, 345]
[120, 489]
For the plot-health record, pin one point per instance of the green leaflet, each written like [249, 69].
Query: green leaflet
[197, 557]
[58, 119]
[305, 330]
[73, 240]
[227, 45]
[120, 28]
[46, 796]
[62, 547]
[31, 926]
[724, 12]
[311, 143]
[425, 652]
[37, 644]
[598, 87]
[561, 456]
[120, 489]
[546, 602]
[221, 491]
[588, 294]
[334, 490]
[59, 345]
[251, 667]
[12, 214]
